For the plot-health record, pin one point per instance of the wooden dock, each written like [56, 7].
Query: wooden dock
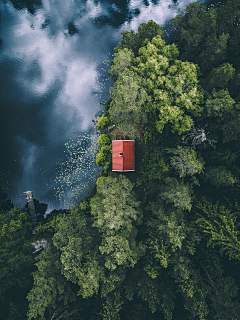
[31, 208]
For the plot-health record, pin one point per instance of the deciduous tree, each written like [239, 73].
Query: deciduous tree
[176, 192]
[111, 307]
[154, 81]
[219, 103]
[51, 294]
[220, 76]
[15, 249]
[123, 59]
[168, 226]
[185, 161]
[115, 210]
[171, 84]
[231, 125]
[78, 241]
[127, 99]
[133, 41]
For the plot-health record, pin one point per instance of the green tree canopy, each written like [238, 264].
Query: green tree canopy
[222, 226]
[115, 209]
[171, 237]
[219, 103]
[220, 76]
[219, 176]
[127, 99]
[104, 155]
[51, 293]
[168, 224]
[231, 125]
[15, 249]
[157, 293]
[79, 252]
[133, 41]
[199, 38]
[154, 81]
[123, 59]
[14, 225]
[223, 296]
[112, 306]
[176, 192]
[185, 161]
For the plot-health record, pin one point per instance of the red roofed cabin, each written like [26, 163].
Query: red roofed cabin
[123, 155]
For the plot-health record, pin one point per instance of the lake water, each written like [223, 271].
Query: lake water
[53, 68]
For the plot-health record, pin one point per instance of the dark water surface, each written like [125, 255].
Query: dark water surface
[53, 67]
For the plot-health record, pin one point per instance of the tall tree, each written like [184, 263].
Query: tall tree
[133, 41]
[219, 103]
[198, 37]
[16, 261]
[185, 161]
[78, 241]
[157, 293]
[220, 76]
[51, 295]
[112, 306]
[222, 226]
[123, 59]
[172, 85]
[115, 210]
[15, 249]
[231, 125]
[176, 192]
[128, 97]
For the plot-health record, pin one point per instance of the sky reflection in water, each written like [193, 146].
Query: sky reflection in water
[52, 85]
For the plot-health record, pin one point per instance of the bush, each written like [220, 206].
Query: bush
[104, 156]
[104, 140]
[102, 123]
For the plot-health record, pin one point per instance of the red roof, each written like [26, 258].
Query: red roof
[123, 155]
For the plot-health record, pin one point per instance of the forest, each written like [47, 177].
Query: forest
[161, 242]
